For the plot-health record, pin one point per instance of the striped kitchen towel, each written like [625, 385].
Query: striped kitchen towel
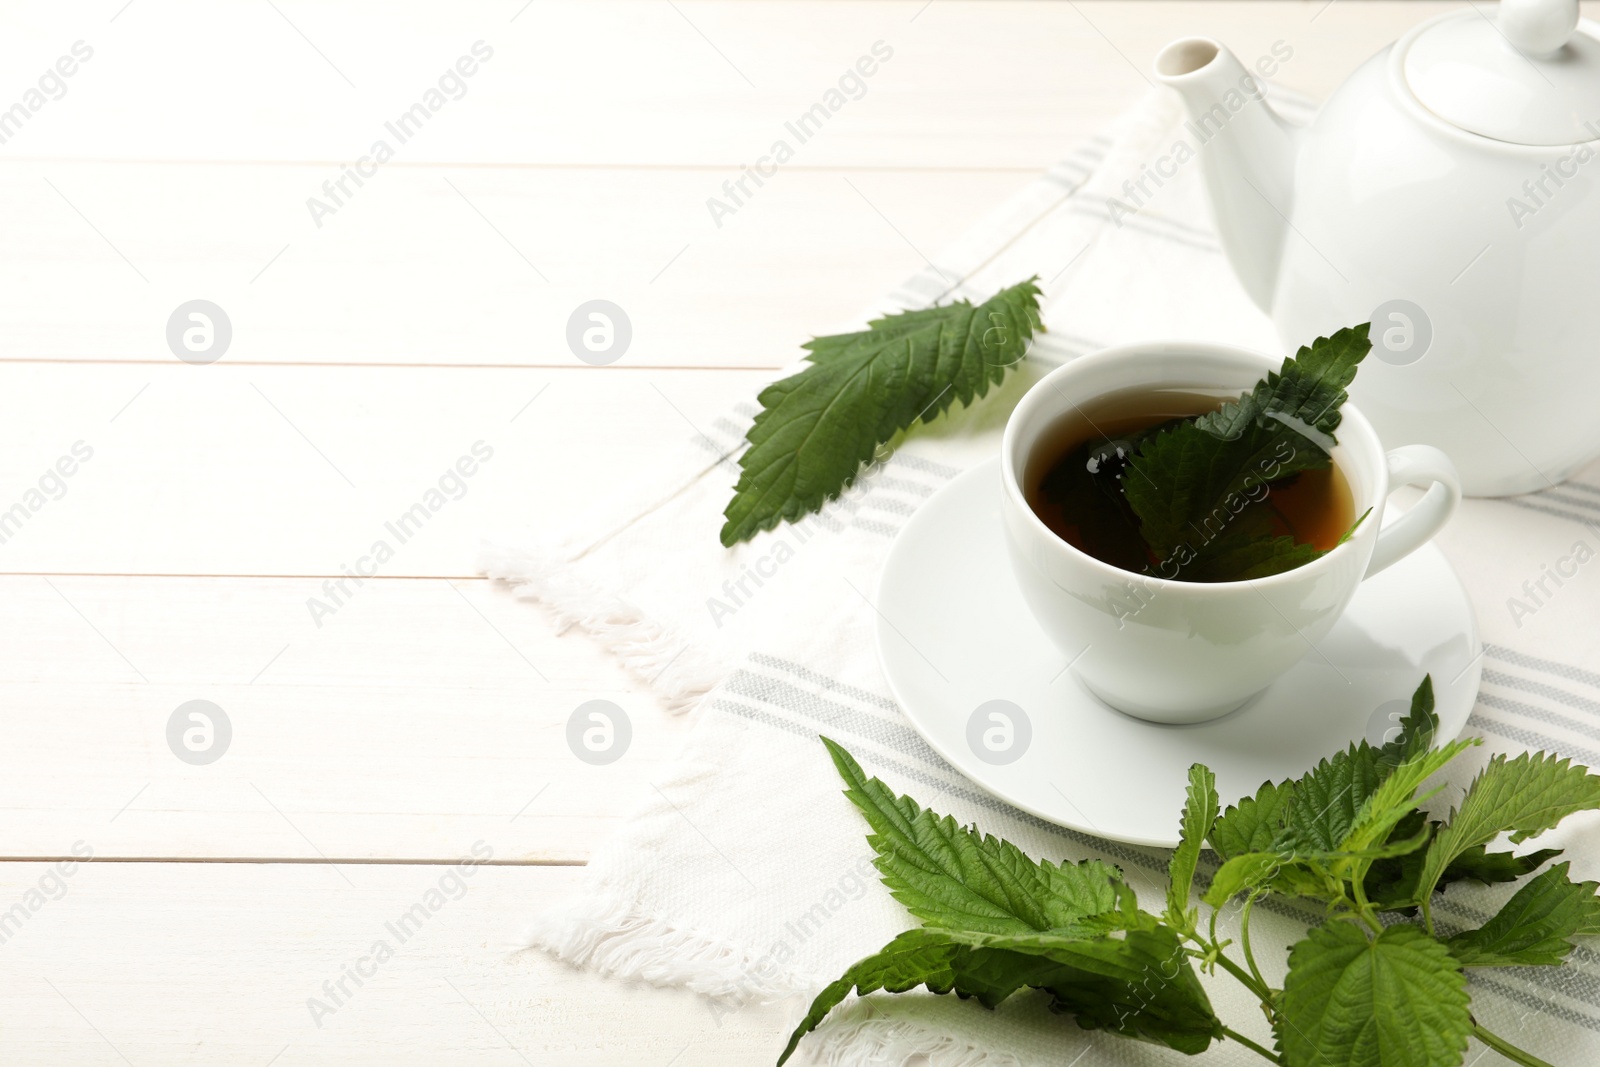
[745, 875]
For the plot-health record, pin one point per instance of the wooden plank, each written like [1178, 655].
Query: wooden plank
[597, 188]
[990, 84]
[452, 266]
[299, 470]
[419, 712]
[423, 714]
[214, 963]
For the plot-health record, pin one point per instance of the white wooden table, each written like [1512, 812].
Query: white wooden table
[375, 745]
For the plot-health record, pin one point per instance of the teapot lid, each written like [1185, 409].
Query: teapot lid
[1529, 75]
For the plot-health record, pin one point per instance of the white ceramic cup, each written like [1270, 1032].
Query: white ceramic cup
[1176, 651]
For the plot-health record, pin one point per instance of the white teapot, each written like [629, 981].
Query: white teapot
[1449, 191]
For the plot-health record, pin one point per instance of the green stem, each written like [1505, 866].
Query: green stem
[1358, 883]
[1234, 1035]
[1506, 1048]
[1248, 980]
[1244, 940]
[1344, 906]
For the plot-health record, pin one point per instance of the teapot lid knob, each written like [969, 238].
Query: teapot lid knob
[1538, 27]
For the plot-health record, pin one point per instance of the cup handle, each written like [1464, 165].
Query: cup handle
[1417, 465]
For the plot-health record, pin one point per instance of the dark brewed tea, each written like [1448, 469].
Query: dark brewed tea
[1072, 482]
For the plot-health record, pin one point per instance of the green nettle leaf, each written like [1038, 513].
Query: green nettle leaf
[1248, 870]
[1140, 985]
[1241, 556]
[1348, 814]
[1253, 824]
[1392, 883]
[1353, 810]
[1329, 801]
[1417, 730]
[1184, 479]
[915, 958]
[1349, 1000]
[1522, 797]
[1536, 926]
[1396, 797]
[1377, 835]
[1295, 872]
[1480, 865]
[1199, 812]
[954, 877]
[816, 428]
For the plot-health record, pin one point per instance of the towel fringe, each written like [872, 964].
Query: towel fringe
[661, 658]
[609, 933]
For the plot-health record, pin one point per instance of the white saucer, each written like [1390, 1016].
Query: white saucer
[954, 634]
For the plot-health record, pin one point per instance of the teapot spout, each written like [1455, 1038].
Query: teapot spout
[1247, 152]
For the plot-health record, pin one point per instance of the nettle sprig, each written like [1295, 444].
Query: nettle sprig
[1373, 985]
